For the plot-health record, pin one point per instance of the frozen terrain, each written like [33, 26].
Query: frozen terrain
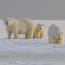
[31, 52]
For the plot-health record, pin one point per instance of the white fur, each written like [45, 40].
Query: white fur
[55, 34]
[39, 31]
[25, 26]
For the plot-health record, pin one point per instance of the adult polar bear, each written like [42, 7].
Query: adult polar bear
[25, 26]
[55, 34]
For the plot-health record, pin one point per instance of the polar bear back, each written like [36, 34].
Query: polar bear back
[25, 25]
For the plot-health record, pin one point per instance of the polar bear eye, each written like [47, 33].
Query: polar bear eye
[62, 33]
[56, 33]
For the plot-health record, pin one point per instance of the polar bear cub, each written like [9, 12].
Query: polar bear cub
[55, 34]
[15, 26]
[39, 31]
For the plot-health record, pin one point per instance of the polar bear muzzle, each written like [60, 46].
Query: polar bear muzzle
[6, 22]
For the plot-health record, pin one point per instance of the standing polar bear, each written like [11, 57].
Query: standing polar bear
[39, 31]
[55, 34]
[25, 26]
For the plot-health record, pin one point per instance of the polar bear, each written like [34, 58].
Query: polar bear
[55, 34]
[39, 31]
[15, 26]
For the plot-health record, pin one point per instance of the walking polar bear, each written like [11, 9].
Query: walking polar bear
[55, 34]
[39, 31]
[25, 26]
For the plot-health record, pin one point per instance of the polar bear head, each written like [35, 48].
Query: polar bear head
[8, 20]
[5, 21]
[40, 26]
[59, 34]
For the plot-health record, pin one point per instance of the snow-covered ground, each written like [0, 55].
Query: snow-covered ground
[29, 51]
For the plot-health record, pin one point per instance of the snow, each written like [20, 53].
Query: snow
[31, 51]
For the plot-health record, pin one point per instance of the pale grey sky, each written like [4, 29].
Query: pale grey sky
[37, 9]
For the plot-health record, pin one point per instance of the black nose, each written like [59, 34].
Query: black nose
[59, 38]
[6, 23]
[40, 28]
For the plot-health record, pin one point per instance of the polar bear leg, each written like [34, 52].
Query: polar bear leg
[37, 35]
[28, 35]
[41, 34]
[57, 41]
[33, 36]
[51, 40]
[9, 31]
[15, 33]
[9, 35]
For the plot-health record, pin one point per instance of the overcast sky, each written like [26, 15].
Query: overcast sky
[36, 9]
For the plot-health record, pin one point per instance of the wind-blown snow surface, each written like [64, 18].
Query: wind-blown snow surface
[31, 52]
